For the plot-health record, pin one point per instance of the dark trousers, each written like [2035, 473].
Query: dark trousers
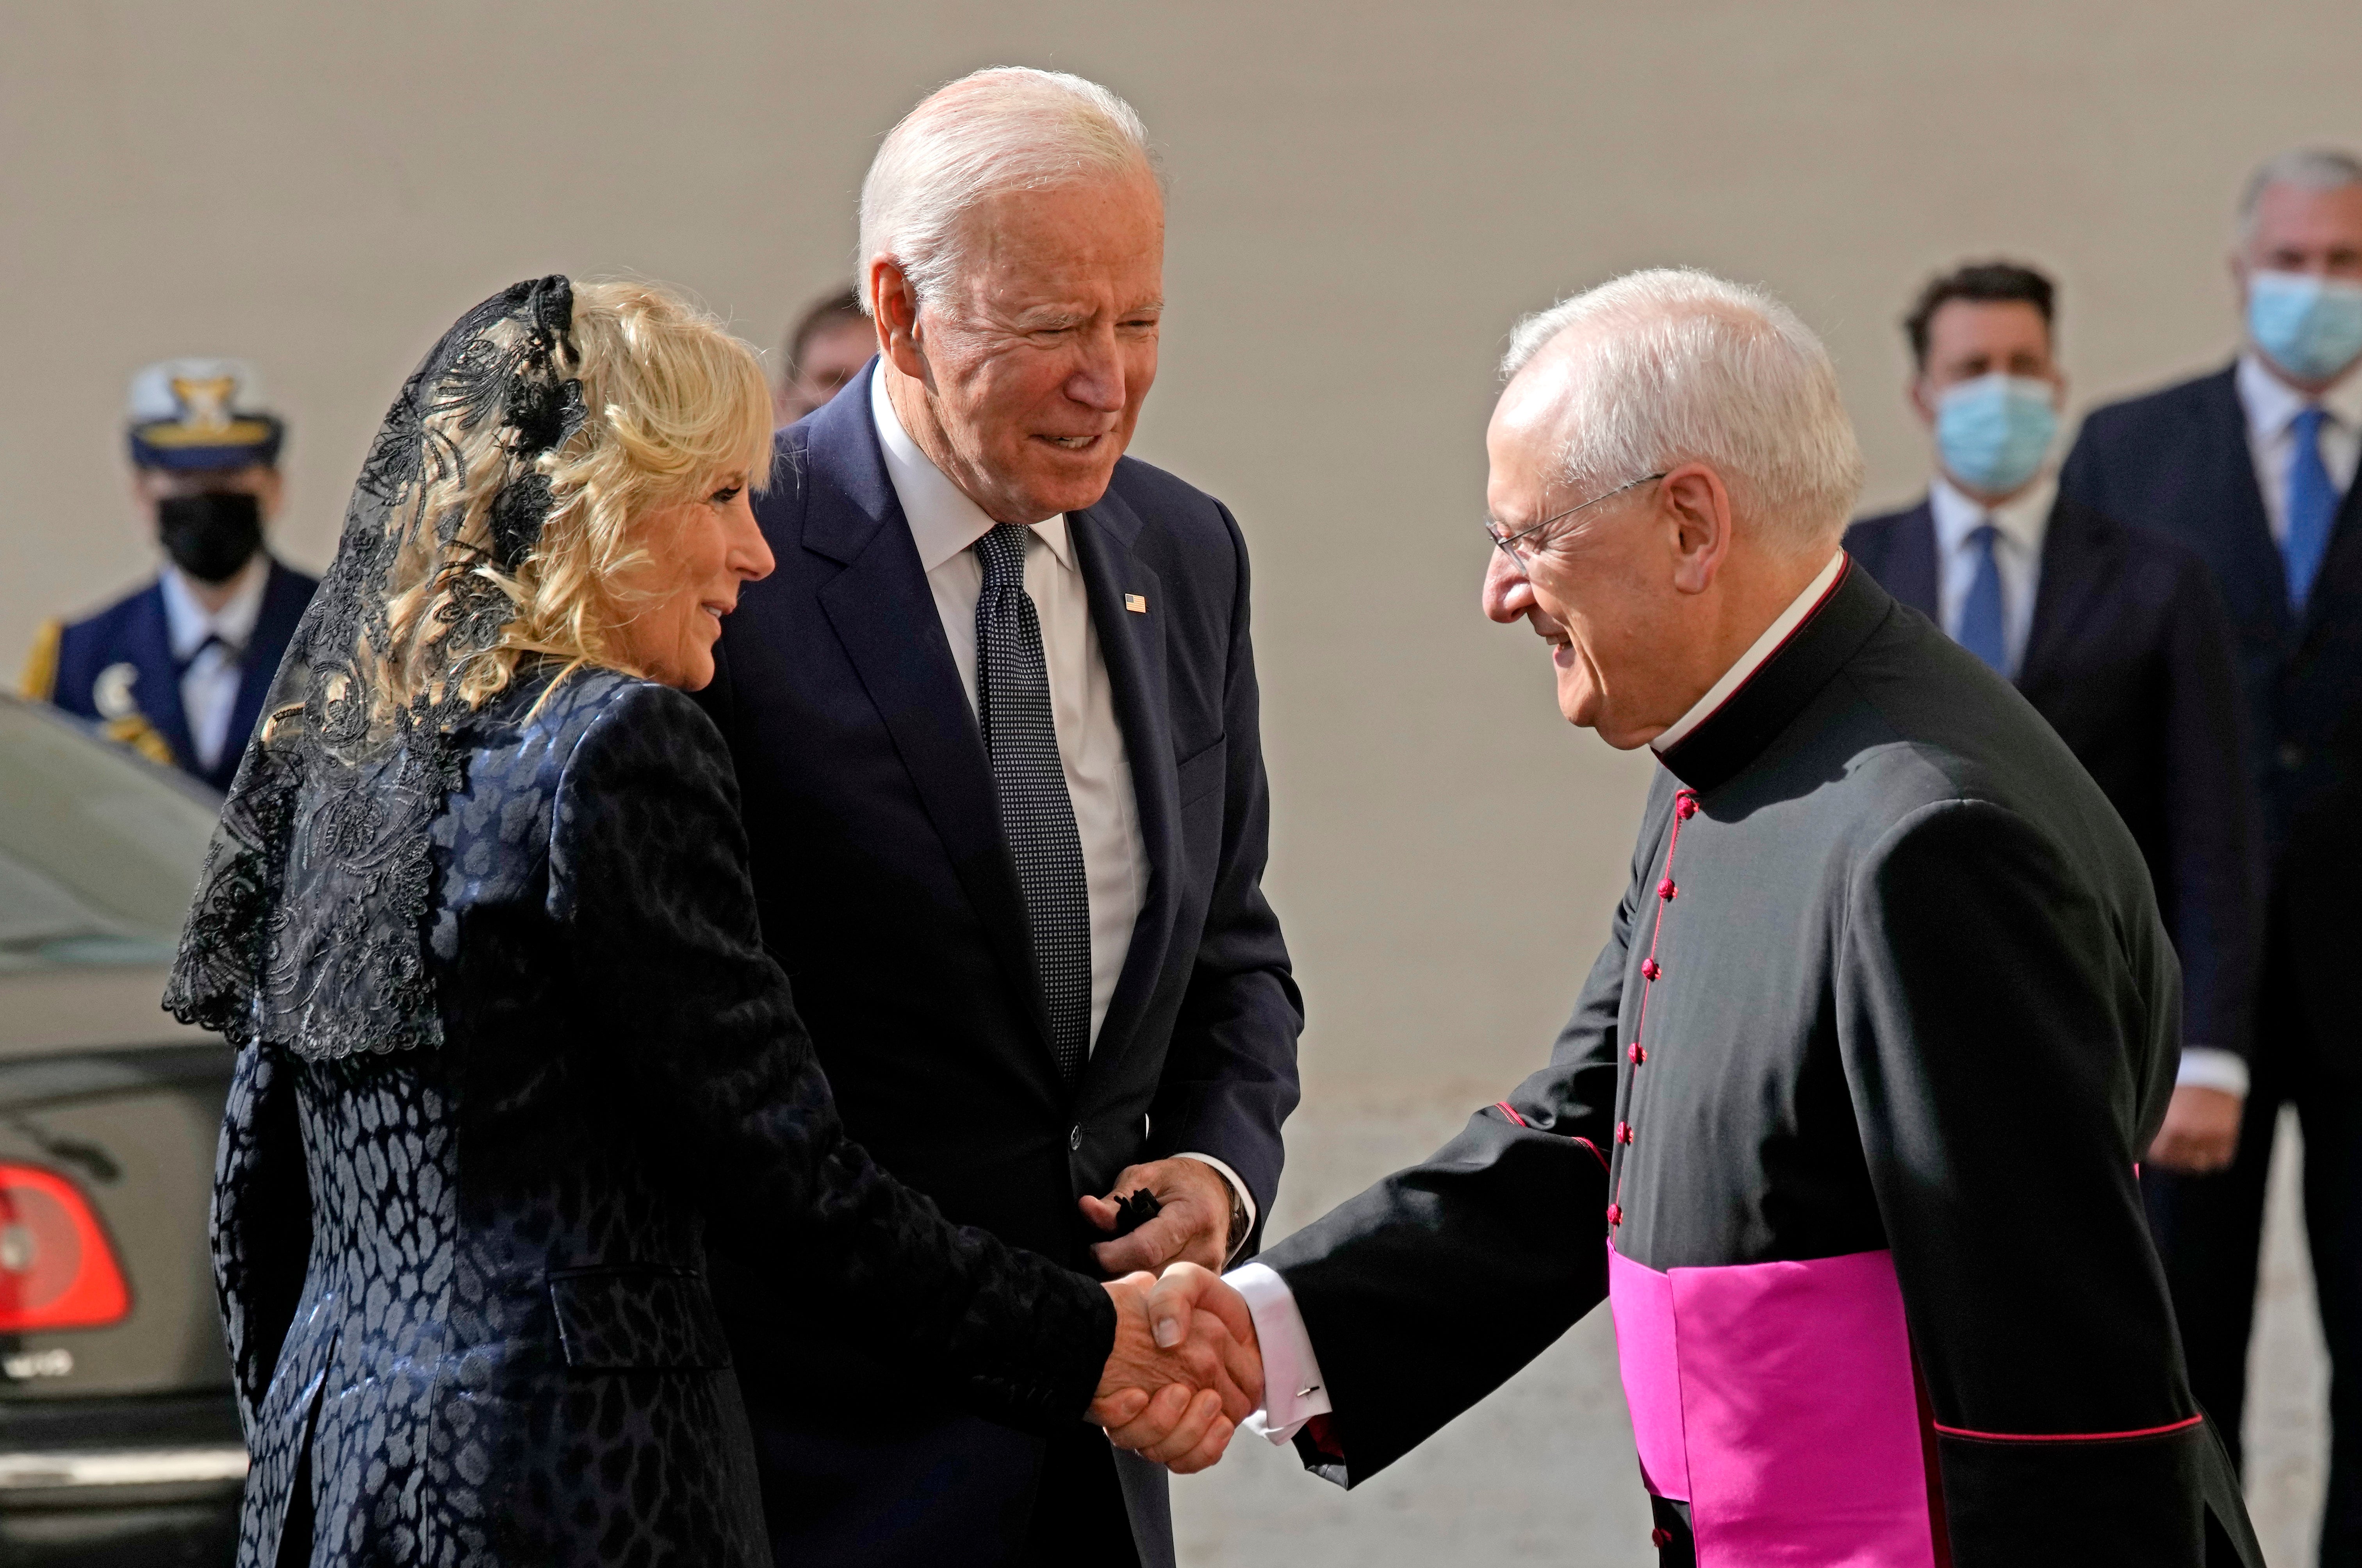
[953, 1493]
[2210, 1229]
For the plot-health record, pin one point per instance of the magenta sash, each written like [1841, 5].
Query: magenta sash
[1777, 1400]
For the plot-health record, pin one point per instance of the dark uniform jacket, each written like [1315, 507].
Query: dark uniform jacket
[465, 1287]
[1845, 1123]
[133, 631]
[889, 893]
[2130, 658]
[2177, 461]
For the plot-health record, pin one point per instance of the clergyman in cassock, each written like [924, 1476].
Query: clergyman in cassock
[1844, 1124]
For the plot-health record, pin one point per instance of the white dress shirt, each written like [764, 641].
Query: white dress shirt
[209, 686]
[1293, 1390]
[2272, 406]
[945, 524]
[2020, 523]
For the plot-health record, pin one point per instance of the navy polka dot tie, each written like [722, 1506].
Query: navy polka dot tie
[1012, 705]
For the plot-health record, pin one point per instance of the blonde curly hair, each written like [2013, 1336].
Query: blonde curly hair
[675, 407]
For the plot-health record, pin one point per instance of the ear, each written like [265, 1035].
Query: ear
[1915, 391]
[1695, 508]
[894, 305]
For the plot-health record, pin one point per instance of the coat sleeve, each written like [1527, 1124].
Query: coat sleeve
[2216, 914]
[1230, 1076]
[261, 1222]
[2009, 1049]
[1433, 1287]
[649, 886]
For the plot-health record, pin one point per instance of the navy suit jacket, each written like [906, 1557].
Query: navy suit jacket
[2129, 659]
[887, 891]
[2176, 462]
[133, 631]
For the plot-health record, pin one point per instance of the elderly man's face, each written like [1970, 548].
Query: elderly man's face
[1596, 586]
[1038, 358]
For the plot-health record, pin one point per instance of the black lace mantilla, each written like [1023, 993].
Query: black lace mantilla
[310, 920]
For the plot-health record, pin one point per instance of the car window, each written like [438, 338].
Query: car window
[99, 852]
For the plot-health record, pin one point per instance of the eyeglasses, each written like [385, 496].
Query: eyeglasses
[1507, 543]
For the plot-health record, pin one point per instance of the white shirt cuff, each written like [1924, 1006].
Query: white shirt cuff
[1245, 1198]
[1293, 1392]
[2206, 1066]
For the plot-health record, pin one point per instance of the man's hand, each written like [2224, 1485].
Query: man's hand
[2200, 1132]
[1194, 1225]
[1175, 1393]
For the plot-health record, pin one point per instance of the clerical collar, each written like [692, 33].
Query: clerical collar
[1782, 628]
[944, 521]
[1760, 694]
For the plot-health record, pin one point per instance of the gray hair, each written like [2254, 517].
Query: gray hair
[2306, 168]
[1005, 128]
[1677, 365]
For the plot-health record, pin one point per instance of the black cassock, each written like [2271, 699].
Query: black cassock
[1852, 1097]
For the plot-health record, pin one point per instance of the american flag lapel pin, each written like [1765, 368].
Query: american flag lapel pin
[1136, 603]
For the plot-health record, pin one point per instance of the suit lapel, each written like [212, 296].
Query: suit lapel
[283, 605]
[884, 615]
[2252, 575]
[158, 689]
[1132, 646]
[2074, 558]
[1909, 570]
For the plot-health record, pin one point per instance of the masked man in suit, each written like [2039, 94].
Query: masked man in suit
[2115, 636]
[2252, 468]
[995, 723]
[1843, 1127]
[179, 668]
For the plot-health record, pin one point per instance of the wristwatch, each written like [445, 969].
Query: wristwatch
[1240, 1223]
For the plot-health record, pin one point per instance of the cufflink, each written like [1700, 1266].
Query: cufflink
[1136, 603]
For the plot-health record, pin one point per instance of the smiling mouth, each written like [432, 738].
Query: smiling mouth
[1070, 443]
[716, 609]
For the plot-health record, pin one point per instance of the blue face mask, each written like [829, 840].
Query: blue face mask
[2309, 327]
[1993, 432]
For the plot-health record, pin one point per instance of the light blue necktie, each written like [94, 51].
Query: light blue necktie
[1982, 622]
[2312, 507]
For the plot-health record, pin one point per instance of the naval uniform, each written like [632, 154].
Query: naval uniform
[1844, 1129]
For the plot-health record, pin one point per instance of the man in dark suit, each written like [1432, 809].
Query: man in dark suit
[2252, 468]
[1844, 1124]
[2115, 636]
[178, 669]
[995, 723]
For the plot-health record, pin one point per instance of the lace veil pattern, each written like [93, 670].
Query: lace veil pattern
[309, 925]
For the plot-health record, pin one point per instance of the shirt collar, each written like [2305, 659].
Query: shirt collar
[2271, 403]
[189, 624]
[2022, 519]
[1781, 627]
[944, 521]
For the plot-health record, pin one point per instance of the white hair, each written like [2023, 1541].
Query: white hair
[1674, 365]
[2306, 168]
[1007, 129]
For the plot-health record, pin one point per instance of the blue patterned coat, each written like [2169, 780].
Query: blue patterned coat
[465, 1288]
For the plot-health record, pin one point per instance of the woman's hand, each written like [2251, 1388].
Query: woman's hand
[1178, 1402]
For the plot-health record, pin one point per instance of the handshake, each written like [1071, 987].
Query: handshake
[1185, 1369]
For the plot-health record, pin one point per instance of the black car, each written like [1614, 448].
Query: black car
[119, 1439]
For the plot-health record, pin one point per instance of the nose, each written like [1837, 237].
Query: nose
[1508, 597]
[750, 554]
[1097, 381]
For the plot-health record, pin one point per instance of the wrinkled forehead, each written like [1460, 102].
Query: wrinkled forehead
[1533, 422]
